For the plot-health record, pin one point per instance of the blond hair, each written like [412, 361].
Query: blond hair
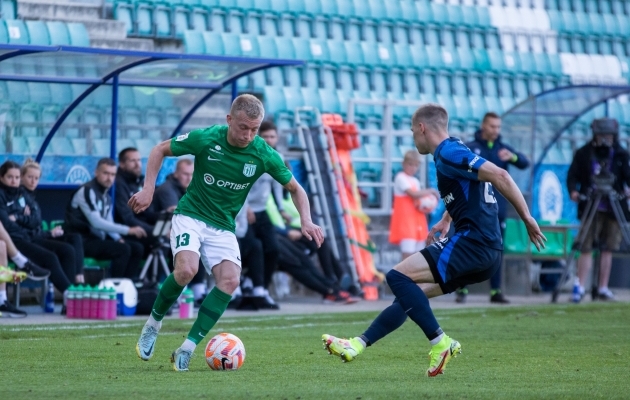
[411, 157]
[250, 105]
[434, 116]
[30, 163]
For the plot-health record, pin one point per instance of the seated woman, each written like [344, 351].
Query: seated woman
[24, 229]
[31, 172]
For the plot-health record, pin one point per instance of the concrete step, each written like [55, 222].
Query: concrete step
[58, 10]
[124, 44]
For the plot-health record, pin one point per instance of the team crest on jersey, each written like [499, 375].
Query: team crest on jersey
[182, 137]
[249, 170]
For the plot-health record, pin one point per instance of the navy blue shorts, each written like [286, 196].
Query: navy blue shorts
[457, 261]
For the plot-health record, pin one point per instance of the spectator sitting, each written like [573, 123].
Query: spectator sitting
[31, 172]
[253, 262]
[90, 215]
[16, 215]
[293, 260]
[336, 271]
[129, 181]
[7, 248]
[166, 197]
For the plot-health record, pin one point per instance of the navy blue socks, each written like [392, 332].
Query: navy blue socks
[387, 321]
[414, 303]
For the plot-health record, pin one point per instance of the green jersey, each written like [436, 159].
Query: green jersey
[223, 174]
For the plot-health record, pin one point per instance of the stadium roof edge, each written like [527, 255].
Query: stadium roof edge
[126, 68]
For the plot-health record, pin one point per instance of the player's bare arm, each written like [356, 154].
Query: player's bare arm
[441, 227]
[503, 182]
[141, 200]
[300, 199]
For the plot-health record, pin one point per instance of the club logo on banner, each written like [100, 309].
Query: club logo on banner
[550, 200]
[78, 174]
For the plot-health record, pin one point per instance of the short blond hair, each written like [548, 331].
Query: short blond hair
[250, 105]
[411, 157]
[434, 116]
[30, 163]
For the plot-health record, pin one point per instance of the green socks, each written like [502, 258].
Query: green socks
[211, 309]
[167, 296]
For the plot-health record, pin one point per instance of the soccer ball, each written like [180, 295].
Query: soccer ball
[427, 204]
[225, 352]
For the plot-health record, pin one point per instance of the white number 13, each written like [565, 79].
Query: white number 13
[488, 193]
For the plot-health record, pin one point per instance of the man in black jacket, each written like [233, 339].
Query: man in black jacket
[89, 214]
[129, 181]
[601, 157]
[488, 144]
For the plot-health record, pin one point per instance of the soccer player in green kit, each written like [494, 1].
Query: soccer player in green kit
[228, 160]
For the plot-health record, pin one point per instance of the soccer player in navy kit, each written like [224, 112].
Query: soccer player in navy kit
[473, 254]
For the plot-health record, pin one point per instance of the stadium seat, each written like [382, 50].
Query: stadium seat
[8, 9]
[516, 238]
[285, 47]
[163, 17]
[37, 32]
[213, 43]
[123, 11]
[194, 42]
[60, 146]
[58, 33]
[267, 47]
[144, 18]
[17, 32]
[78, 34]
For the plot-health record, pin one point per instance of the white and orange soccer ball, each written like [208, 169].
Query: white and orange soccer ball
[225, 352]
[427, 203]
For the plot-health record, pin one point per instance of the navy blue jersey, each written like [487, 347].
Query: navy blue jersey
[470, 202]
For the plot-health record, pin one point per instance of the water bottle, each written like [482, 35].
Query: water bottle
[186, 304]
[103, 304]
[94, 299]
[71, 302]
[50, 299]
[87, 300]
[113, 303]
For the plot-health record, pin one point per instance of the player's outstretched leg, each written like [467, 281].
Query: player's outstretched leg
[416, 304]
[387, 321]
[169, 293]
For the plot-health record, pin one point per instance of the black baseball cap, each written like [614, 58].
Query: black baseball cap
[605, 126]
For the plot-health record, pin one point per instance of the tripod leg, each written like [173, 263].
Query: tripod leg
[164, 264]
[145, 268]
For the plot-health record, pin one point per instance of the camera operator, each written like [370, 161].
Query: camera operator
[601, 158]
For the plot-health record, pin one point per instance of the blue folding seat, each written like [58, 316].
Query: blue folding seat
[17, 32]
[555, 20]
[293, 98]
[181, 17]
[213, 43]
[58, 33]
[8, 9]
[274, 100]
[144, 18]
[408, 10]
[354, 53]
[37, 33]
[455, 15]
[466, 58]
[285, 47]
[483, 17]
[450, 58]
[402, 54]
[302, 49]
[611, 24]
[194, 42]
[439, 13]
[124, 12]
[267, 46]
[319, 50]
[78, 34]
[163, 21]
[17, 91]
[434, 58]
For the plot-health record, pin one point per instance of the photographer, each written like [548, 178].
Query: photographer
[602, 157]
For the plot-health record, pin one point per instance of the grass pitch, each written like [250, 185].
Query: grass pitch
[550, 351]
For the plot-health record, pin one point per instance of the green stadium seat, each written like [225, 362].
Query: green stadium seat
[213, 43]
[78, 34]
[516, 238]
[37, 32]
[58, 32]
[17, 32]
[194, 42]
